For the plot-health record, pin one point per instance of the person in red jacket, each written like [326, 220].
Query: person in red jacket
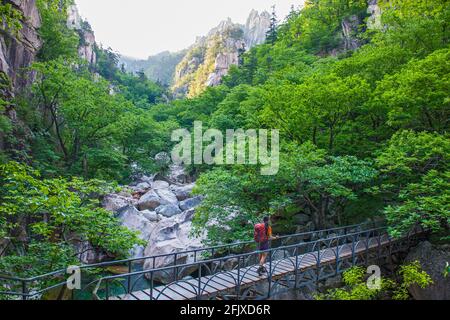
[263, 236]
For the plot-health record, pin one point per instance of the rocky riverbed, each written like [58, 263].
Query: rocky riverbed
[161, 209]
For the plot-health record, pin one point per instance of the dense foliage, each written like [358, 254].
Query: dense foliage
[82, 119]
[76, 122]
[356, 288]
[364, 132]
[309, 178]
[363, 114]
[42, 221]
[10, 19]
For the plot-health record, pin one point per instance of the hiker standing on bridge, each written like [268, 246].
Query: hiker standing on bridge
[263, 236]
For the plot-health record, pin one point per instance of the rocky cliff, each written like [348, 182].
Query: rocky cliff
[256, 28]
[18, 51]
[211, 57]
[19, 48]
[207, 60]
[434, 260]
[86, 49]
[352, 26]
[374, 10]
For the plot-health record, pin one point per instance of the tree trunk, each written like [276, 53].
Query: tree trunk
[58, 134]
[331, 143]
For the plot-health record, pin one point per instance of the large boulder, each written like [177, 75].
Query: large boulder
[151, 216]
[186, 216]
[169, 237]
[134, 220]
[150, 201]
[226, 264]
[168, 211]
[115, 202]
[177, 174]
[167, 196]
[182, 192]
[142, 187]
[160, 185]
[190, 203]
[433, 260]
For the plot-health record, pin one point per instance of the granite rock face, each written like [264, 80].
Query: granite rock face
[162, 216]
[433, 260]
[374, 10]
[86, 49]
[150, 201]
[350, 28]
[172, 236]
[18, 51]
[168, 211]
[256, 28]
[211, 57]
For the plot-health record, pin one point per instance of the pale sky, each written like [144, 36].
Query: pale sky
[139, 28]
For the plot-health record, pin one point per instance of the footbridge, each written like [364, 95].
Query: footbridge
[227, 272]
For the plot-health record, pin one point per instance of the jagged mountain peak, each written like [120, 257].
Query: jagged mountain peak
[208, 59]
[256, 28]
[211, 56]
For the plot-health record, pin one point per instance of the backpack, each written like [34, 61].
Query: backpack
[260, 233]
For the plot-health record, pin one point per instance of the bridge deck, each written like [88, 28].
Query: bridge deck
[226, 281]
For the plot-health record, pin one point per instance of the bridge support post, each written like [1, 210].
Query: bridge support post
[129, 277]
[107, 290]
[379, 248]
[24, 290]
[199, 282]
[338, 257]
[296, 268]
[353, 250]
[238, 287]
[270, 277]
[367, 243]
[152, 284]
[318, 265]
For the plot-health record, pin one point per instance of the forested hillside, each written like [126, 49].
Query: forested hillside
[78, 116]
[69, 114]
[363, 114]
[211, 56]
[160, 67]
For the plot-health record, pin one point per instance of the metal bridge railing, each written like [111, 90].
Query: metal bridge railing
[34, 287]
[358, 245]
